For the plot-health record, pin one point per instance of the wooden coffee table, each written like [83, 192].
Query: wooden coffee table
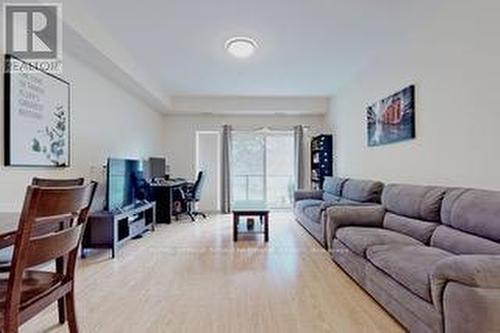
[251, 209]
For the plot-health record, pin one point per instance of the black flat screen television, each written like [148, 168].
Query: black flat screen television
[124, 181]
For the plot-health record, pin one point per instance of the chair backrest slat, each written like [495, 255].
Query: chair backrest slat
[46, 182]
[50, 220]
[51, 224]
[55, 201]
[51, 246]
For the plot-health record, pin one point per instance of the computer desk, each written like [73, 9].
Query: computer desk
[163, 194]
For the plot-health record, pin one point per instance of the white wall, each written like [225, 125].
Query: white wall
[208, 147]
[180, 132]
[105, 121]
[453, 59]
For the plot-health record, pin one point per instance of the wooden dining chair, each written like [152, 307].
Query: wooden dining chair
[58, 182]
[27, 291]
[47, 182]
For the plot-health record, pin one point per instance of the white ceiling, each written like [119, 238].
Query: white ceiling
[307, 47]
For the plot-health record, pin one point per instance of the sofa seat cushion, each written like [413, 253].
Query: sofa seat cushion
[344, 201]
[359, 239]
[314, 213]
[302, 204]
[410, 265]
[327, 197]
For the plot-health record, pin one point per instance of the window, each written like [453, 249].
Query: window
[263, 167]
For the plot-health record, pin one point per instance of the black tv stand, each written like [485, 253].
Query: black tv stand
[109, 230]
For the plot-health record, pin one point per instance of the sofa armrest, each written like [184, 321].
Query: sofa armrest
[470, 309]
[479, 271]
[342, 215]
[307, 194]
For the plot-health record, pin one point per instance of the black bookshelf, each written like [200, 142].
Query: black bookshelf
[321, 159]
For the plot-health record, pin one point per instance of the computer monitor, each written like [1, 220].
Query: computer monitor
[157, 167]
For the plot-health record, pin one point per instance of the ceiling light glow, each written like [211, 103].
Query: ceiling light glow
[241, 47]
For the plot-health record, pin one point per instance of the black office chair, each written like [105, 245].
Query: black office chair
[192, 195]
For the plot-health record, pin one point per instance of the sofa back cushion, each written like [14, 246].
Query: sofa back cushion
[413, 201]
[476, 212]
[418, 229]
[459, 242]
[362, 190]
[333, 186]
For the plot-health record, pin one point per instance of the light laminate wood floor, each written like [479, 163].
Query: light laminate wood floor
[191, 277]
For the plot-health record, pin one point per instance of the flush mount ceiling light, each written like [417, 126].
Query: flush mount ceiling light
[241, 47]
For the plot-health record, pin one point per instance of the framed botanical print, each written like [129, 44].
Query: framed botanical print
[37, 116]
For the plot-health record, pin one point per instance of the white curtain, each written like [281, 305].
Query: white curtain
[226, 170]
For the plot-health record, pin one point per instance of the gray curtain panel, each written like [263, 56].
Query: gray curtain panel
[298, 133]
[226, 170]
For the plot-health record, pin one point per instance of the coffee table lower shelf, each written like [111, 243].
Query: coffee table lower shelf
[263, 217]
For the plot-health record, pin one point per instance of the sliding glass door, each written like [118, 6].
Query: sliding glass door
[248, 166]
[279, 169]
[262, 167]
